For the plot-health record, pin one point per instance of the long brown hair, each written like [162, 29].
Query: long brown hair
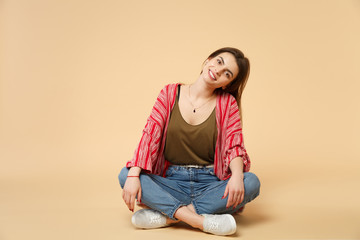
[236, 87]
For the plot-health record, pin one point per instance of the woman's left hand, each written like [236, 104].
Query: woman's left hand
[235, 190]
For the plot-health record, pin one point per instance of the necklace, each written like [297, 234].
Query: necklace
[194, 111]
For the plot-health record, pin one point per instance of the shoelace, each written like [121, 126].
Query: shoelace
[213, 225]
[155, 219]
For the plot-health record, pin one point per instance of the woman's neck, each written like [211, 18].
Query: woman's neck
[199, 90]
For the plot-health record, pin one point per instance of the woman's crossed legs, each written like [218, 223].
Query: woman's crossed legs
[185, 194]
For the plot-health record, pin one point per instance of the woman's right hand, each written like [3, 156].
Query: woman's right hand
[132, 188]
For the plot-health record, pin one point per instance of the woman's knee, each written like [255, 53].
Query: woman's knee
[122, 176]
[252, 184]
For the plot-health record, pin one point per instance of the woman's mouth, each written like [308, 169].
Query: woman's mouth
[212, 75]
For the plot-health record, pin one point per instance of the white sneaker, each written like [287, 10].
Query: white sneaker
[148, 218]
[223, 224]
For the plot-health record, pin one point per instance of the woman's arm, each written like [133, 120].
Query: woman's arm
[132, 188]
[146, 156]
[235, 186]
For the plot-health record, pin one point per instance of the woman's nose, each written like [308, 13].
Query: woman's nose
[219, 70]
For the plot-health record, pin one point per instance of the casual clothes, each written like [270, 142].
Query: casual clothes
[182, 186]
[166, 187]
[190, 144]
[149, 154]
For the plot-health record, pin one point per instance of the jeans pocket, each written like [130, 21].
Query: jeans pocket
[169, 172]
[211, 171]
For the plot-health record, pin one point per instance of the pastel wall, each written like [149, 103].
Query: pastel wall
[78, 78]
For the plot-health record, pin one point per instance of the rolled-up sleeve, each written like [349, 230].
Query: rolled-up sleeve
[236, 149]
[147, 149]
[148, 155]
[234, 139]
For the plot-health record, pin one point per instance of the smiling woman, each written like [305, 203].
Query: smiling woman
[191, 164]
[239, 79]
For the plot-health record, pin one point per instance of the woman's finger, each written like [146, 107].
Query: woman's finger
[230, 201]
[237, 202]
[226, 191]
[127, 200]
[241, 197]
[139, 195]
[132, 201]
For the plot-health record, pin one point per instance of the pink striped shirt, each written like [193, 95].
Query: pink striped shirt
[149, 154]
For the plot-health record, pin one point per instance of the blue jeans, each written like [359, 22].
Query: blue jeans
[183, 186]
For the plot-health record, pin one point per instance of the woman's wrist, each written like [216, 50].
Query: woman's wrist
[237, 167]
[238, 174]
[134, 172]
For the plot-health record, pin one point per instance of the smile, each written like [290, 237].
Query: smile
[211, 75]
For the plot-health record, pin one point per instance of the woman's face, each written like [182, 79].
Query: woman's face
[219, 71]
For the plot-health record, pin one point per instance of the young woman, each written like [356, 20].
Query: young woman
[191, 164]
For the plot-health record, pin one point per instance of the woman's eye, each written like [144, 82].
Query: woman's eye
[218, 61]
[227, 75]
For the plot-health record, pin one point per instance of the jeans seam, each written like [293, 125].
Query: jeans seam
[175, 208]
[208, 189]
[177, 190]
[195, 207]
[157, 182]
[177, 202]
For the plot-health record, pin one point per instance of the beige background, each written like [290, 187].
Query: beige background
[79, 78]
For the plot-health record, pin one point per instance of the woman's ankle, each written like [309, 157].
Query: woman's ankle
[171, 221]
[188, 216]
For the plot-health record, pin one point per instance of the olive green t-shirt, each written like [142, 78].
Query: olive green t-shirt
[188, 144]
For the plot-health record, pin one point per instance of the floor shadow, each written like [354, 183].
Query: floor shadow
[252, 216]
[182, 225]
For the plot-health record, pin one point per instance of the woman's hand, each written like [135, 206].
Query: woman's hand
[132, 188]
[235, 186]
[235, 190]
